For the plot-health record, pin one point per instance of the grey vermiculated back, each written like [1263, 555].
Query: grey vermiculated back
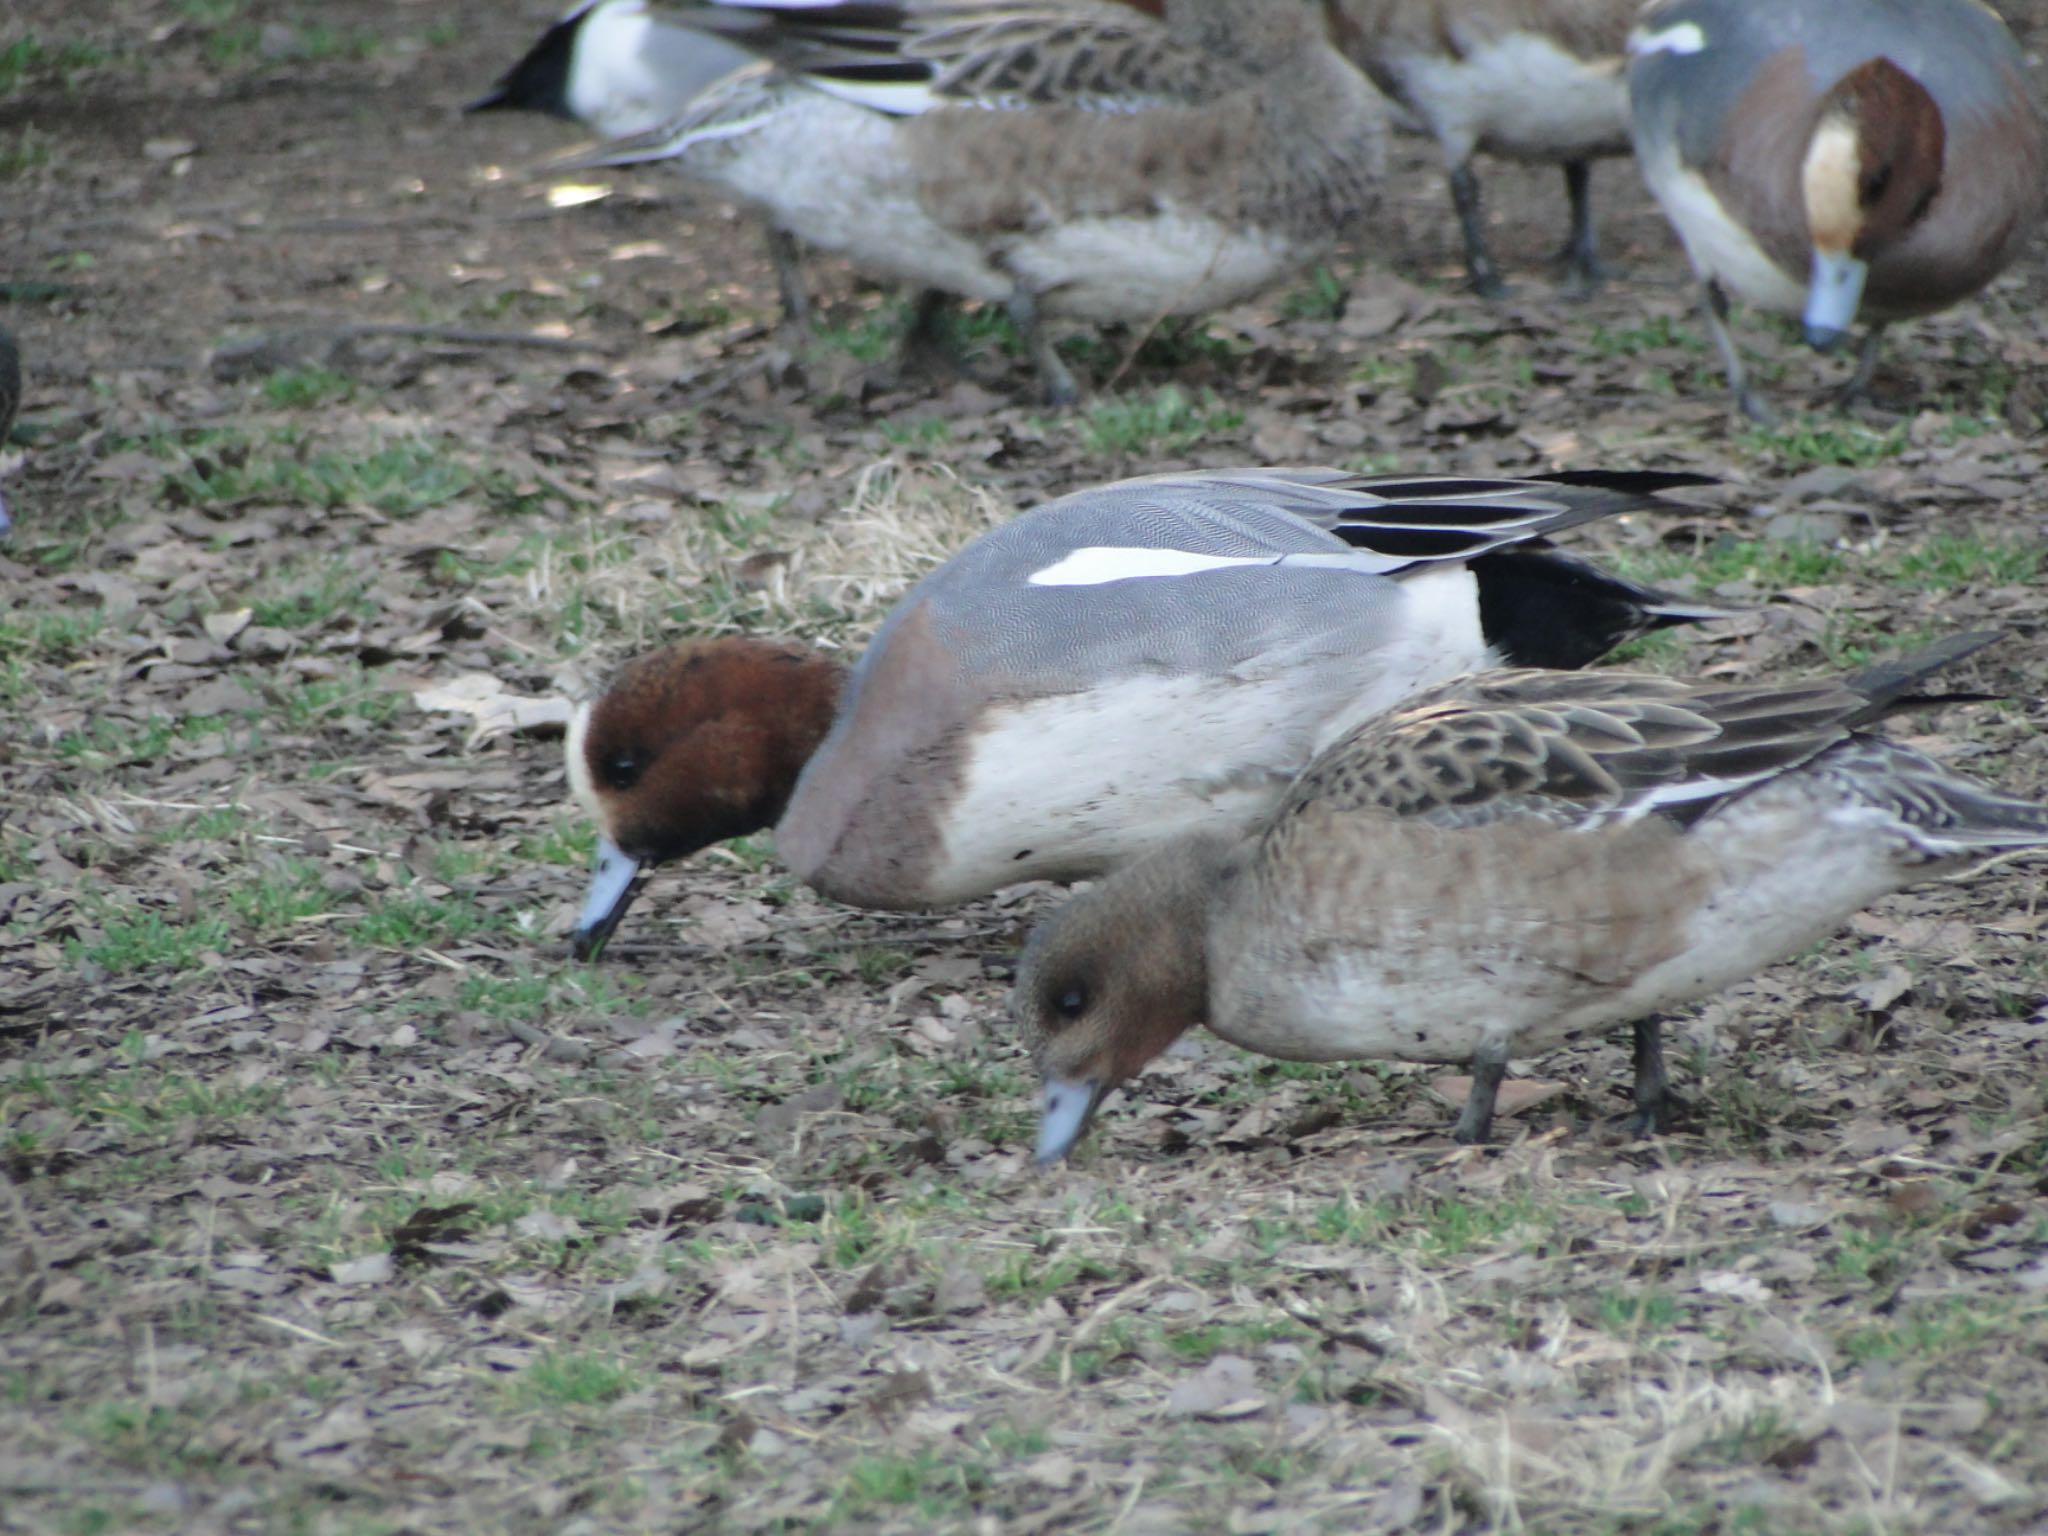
[996, 626]
[1960, 53]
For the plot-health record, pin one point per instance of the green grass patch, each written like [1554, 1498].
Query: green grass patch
[281, 898]
[399, 478]
[575, 1379]
[412, 919]
[306, 389]
[1164, 420]
[32, 59]
[1823, 440]
[135, 939]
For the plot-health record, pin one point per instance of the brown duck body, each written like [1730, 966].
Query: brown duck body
[1508, 862]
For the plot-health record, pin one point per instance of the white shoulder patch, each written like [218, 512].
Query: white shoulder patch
[1685, 37]
[1094, 565]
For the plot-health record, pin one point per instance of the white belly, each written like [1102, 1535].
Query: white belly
[1520, 96]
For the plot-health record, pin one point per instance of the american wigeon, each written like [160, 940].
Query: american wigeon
[1094, 675]
[1533, 80]
[1861, 159]
[1503, 864]
[1097, 161]
[10, 402]
[616, 68]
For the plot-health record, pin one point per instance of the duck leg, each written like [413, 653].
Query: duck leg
[1746, 401]
[1489, 1066]
[1485, 277]
[1054, 380]
[1581, 252]
[1857, 388]
[788, 256]
[1653, 1087]
[924, 349]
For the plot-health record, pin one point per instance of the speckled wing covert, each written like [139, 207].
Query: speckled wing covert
[908, 58]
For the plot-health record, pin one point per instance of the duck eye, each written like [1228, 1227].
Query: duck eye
[620, 770]
[1072, 1003]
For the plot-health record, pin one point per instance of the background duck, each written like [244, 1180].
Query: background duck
[1533, 80]
[1501, 865]
[1095, 675]
[1092, 160]
[1863, 159]
[614, 67]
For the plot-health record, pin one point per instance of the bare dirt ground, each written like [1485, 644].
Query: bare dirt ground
[338, 1200]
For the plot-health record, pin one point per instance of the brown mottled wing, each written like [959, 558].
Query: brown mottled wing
[1574, 747]
[1066, 55]
[904, 57]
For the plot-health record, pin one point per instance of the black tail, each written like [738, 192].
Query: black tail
[539, 82]
[1541, 608]
[1885, 683]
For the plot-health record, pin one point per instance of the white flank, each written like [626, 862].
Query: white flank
[1436, 635]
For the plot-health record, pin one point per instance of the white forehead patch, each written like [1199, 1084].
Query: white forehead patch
[580, 785]
[1684, 37]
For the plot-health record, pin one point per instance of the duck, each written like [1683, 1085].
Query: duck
[1102, 162]
[614, 67]
[10, 402]
[1538, 82]
[1868, 160]
[617, 68]
[1081, 682]
[1505, 863]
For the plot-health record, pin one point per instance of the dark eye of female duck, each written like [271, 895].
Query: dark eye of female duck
[1874, 184]
[620, 770]
[1072, 1003]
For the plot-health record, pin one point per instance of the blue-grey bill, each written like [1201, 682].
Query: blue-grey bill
[1833, 295]
[1064, 1113]
[611, 892]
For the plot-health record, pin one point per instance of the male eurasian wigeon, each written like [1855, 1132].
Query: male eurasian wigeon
[1503, 864]
[1523, 79]
[1091, 677]
[616, 68]
[1100, 161]
[1859, 159]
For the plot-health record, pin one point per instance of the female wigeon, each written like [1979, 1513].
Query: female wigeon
[1523, 79]
[1104, 162]
[616, 68]
[1872, 159]
[1501, 865]
[1095, 675]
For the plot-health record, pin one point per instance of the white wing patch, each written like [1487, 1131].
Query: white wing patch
[1685, 37]
[1095, 565]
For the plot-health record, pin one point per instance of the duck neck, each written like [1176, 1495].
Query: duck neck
[1171, 892]
[808, 700]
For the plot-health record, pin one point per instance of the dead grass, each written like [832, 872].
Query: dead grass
[337, 1201]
